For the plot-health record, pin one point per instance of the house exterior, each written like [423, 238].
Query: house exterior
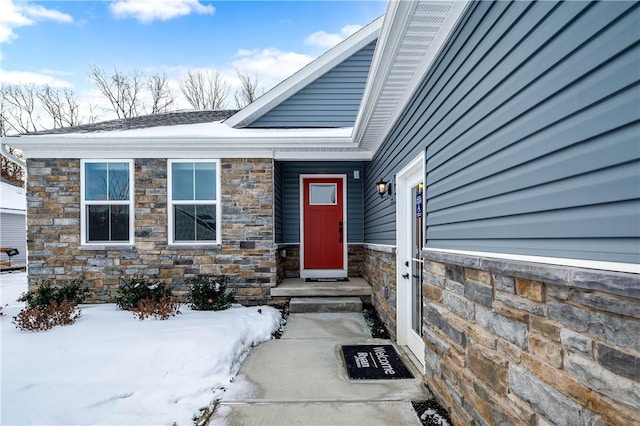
[13, 225]
[504, 251]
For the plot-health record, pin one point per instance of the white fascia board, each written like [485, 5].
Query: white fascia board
[174, 147]
[401, 17]
[322, 156]
[306, 75]
[396, 22]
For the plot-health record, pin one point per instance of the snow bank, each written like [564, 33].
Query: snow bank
[110, 368]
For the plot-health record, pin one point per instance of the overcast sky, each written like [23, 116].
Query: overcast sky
[53, 42]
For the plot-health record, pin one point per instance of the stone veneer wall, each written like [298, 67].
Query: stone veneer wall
[289, 265]
[247, 253]
[522, 343]
[379, 270]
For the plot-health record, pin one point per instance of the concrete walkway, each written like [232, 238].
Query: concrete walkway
[301, 379]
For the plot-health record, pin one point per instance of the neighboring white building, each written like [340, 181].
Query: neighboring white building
[13, 223]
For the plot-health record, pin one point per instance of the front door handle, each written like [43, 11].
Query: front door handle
[340, 231]
[405, 276]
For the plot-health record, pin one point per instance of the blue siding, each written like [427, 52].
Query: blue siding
[332, 100]
[531, 125]
[291, 172]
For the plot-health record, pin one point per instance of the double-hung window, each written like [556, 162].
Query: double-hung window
[194, 207]
[107, 201]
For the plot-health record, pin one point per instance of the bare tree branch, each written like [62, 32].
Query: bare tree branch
[20, 107]
[121, 90]
[249, 89]
[161, 95]
[61, 105]
[205, 90]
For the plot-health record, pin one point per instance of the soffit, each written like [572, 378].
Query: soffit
[412, 36]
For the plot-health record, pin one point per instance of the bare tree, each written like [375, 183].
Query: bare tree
[93, 115]
[61, 105]
[161, 96]
[249, 89]
[19, 108]
[205, 89]
[123, 91]
[10, 171]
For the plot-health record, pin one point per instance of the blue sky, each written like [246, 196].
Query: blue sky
[54, 42]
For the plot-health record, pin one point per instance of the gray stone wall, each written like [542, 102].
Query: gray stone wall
[247, 253]
[522, 343]
[379, 270]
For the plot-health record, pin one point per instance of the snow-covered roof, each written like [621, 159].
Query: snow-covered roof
[13, 199]
[410, 37]
[175, 118]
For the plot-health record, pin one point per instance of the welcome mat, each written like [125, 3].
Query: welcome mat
[374, 362]
[326, 280]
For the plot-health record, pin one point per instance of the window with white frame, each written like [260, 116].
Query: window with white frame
[194, 208]
[107, 201]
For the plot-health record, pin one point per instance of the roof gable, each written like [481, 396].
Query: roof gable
[332, 100]
[306, 75]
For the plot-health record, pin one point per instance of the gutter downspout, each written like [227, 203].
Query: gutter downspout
[10, 156]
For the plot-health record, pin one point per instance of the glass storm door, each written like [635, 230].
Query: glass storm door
[410, 240]
[416, 261]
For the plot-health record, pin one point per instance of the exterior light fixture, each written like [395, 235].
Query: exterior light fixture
[384, 188]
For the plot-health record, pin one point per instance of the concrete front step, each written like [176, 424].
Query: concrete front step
[324, 304]
[297, 287]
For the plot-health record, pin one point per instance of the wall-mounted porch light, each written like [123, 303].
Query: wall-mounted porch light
[384, 188]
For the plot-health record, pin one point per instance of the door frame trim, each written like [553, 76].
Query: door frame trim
[325, 273]
[403, 249]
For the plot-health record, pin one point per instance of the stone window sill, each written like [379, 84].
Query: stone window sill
[102, 247]
[194, 246]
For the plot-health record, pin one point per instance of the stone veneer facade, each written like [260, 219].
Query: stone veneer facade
[379, 270]
[247, 253]
[515, 343]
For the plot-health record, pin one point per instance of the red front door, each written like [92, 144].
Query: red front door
[323, 227]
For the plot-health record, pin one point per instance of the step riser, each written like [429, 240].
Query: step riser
[325, 305]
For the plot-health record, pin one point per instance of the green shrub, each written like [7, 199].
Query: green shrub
[46, 293]
[209, 293]
[135, 289]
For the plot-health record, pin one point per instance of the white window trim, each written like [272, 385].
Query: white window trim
[171, 203]
[130, 203]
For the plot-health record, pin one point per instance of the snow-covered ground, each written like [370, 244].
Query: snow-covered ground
[110, 368]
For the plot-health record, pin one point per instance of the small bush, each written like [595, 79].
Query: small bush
[39, 318]
[46, 294]
[51, 305]
[135, 289]
[209, 293]
[161, 309]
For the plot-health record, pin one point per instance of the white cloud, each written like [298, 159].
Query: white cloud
[271, 65]
[26, 77]
[147, 11]
[15, 14]
[325, 39]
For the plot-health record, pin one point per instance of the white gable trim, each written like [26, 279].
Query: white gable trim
[372, 126]
[306, 75]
